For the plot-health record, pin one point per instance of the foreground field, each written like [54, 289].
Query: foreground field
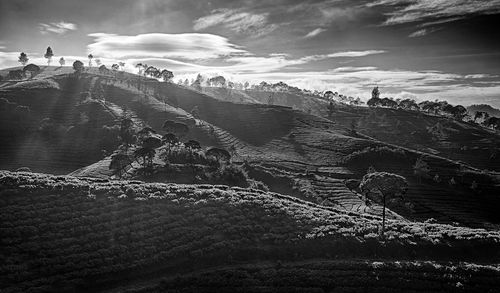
[67, 234]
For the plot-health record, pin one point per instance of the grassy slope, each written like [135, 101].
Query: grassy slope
[66, 233]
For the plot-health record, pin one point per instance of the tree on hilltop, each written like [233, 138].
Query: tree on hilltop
[375, 93]
[23, 58]
[48, 55]
[62, 61]
[90, 56]
[78, 66]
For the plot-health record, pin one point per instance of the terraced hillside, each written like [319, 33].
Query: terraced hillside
[67, 234]
[292, 152]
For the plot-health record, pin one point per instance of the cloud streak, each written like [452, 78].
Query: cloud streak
[408, 11]
[57, 27]
[237, 21]
[314, 33]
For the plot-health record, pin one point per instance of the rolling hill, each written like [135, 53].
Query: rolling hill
[88, 231]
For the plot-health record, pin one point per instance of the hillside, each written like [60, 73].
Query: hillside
[85, 235]
[292, 152]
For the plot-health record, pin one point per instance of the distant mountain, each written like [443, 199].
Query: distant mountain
[484, 108]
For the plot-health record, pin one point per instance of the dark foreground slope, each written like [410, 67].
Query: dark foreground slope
[67, 234]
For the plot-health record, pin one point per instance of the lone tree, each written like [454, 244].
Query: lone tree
[23, 58]
[375, 93]
[48, 55]
[78, 66]
[62, 61]
[97, 62]
[387, 185]
[90, 56]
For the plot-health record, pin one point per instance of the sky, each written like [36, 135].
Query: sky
[421, 49]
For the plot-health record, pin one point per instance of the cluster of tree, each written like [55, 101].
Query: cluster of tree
[154, 72]
[458, 112]
[335, 96]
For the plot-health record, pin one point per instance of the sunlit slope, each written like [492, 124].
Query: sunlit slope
[63, 233]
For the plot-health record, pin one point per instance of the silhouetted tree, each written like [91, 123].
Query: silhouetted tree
[90, 56]
[375, 93]
[166, 75]
[387, 184]
[78, 66]
[48, 55]
[23, 58]
[62, 62]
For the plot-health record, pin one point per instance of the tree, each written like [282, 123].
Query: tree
[374, 102]
[219, 154]
[218, 81]
[97, 62]
[78, 66]
[32, 69]
[90, 56]
[481, 115]
[166, 75]
[119, 162]
[103, 69]
[421, 168]
[246, 85]
[375, 93]
[115, 67]
[23, 58]
[328, 95]
[48, 55]
[62, 61]
[388, 185]
[152, 71]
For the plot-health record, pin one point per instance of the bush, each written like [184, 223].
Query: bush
[230, 174]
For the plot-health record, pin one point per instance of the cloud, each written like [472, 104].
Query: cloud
[406, 11]
[314, 33]
[423, 32]
[57, 27]
[236, 20]
[345, 54]
[191, 46]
